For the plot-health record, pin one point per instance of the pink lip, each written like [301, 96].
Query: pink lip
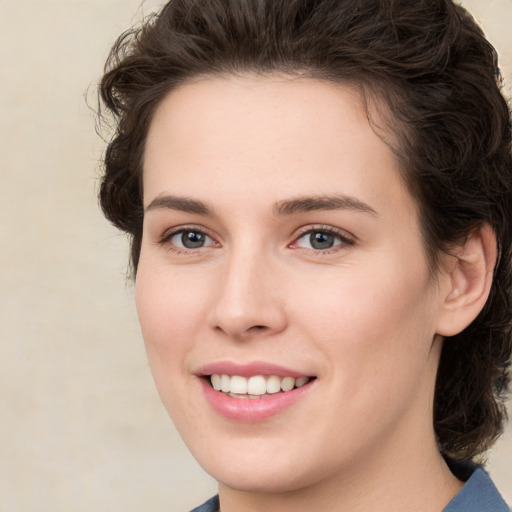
[249, 369]
[248, 410]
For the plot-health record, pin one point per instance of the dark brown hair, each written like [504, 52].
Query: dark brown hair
[438, 76]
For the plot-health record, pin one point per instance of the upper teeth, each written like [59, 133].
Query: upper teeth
[256, 385]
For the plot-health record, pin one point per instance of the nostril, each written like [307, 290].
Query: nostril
[258, 328]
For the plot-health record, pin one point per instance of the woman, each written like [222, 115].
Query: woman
[319, 195]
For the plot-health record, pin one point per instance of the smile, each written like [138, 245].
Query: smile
[253, 392]
[256, 386]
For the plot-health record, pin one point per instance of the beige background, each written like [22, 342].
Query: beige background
[81, 426]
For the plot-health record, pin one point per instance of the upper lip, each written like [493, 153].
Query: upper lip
[249, 369]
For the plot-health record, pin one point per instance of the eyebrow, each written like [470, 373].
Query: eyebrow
[315, 203]
[301, 204]
[182, 204]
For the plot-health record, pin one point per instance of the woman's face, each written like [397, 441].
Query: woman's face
[281, 250]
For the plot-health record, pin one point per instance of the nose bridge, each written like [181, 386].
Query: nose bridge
[248, 300]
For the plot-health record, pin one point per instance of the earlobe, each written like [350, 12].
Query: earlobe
[470, 280]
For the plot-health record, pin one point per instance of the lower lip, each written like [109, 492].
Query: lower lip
[251, 410]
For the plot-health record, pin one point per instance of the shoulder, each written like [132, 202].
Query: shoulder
[479, 494]
[212, 505]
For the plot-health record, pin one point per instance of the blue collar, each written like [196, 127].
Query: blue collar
[479, 494]
[212, 505]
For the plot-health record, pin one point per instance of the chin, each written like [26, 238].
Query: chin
[263, 469]
[261, 480]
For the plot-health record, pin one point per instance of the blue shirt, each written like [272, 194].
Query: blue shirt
[479, 494]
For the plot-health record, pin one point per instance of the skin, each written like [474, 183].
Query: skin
[364, 316]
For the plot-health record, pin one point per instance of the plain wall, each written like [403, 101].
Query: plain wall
[82, 427]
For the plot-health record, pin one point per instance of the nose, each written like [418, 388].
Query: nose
[249, 302]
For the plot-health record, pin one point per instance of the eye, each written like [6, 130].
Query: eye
[190, 239]
[322, 239]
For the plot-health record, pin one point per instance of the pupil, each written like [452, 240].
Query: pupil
[321, 240]
[192, 240]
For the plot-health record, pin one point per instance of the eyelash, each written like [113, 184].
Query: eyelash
[344, 239]
[165, 239]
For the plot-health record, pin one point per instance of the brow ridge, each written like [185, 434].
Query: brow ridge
[183, 204]
[287, 207]
[322, 202]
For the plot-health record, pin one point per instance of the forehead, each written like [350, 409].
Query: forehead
[251, 107]
[261, 130]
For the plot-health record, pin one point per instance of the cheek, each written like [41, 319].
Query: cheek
[376, 338]
[168, 302]
[169, 311]
[375, 327]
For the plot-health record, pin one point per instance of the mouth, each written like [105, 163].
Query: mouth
[256, 386]
[255, 391]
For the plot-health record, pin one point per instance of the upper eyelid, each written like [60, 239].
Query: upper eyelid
[170, 232]
[342, 233]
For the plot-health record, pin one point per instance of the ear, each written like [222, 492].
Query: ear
[468, 281]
